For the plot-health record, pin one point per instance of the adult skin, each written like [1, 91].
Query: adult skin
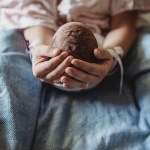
[49, 66]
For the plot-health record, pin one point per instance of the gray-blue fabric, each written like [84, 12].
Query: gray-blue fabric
[37, 116]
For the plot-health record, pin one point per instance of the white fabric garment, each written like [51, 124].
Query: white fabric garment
[52, 13]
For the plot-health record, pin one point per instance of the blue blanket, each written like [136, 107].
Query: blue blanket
[37, 116]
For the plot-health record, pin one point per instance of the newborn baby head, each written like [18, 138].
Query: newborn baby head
[77, 40]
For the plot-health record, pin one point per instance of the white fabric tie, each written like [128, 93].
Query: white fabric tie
[116, 53]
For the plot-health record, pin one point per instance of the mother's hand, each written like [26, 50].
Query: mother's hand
[48, 65]
[88, 73]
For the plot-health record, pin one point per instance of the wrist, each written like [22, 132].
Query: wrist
[44, 33]
[32, 45]
[116, 53]
[117, 49]
[113, 67]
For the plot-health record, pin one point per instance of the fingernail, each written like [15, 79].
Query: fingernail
[74, 62]
[54, 49]
[71, 58]
[64, 53]
[68, 71]
[97, 51]
[63, 80]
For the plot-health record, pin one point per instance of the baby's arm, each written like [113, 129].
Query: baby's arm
[122, 32]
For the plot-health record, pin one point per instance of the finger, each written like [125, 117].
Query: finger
[45, 50]
[56, 81]
[59, 70]
[90, 68]
[72, 83]
[102, 54]
[42, 68]
[82, 76]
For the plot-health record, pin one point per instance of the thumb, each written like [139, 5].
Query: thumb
[45, 50]
[102, 54]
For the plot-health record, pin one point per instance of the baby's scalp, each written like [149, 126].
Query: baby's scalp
[77, 39]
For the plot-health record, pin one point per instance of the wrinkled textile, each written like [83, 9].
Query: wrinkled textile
[95, 14]
[37, 116]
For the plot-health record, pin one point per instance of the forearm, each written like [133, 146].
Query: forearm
[39, 32]
[123, 37]
[122, 33]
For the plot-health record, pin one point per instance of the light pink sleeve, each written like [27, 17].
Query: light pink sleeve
[27, 13]
[119, 6]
